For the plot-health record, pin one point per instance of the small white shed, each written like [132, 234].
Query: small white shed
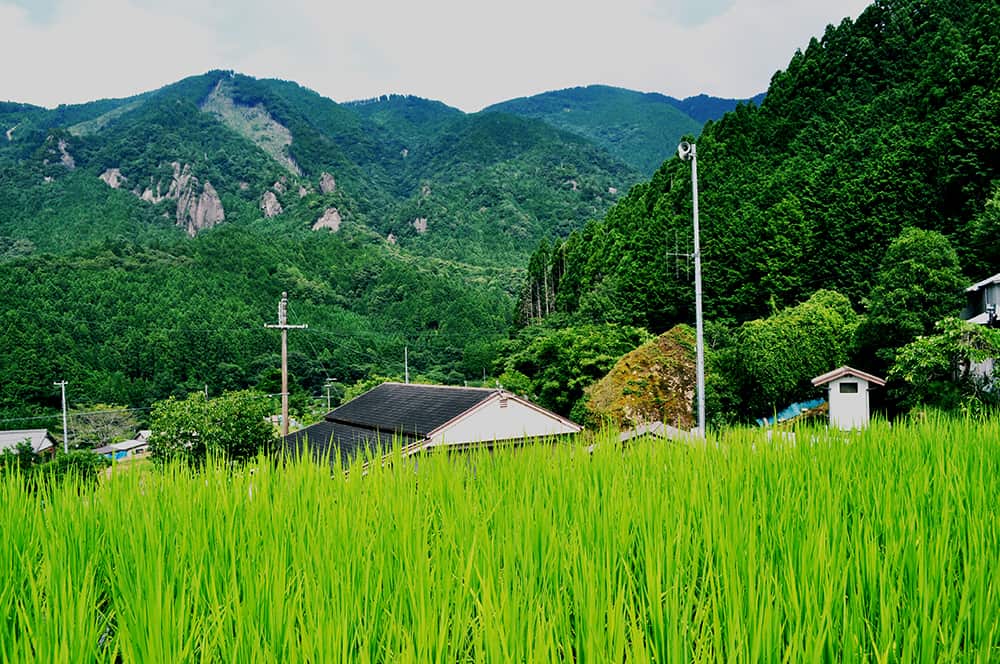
[848, 396]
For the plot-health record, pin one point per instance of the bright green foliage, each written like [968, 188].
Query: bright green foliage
[777, 356]
[878, 548]
[552, 365]
[941, 369]
[234, 426]
[918, 283]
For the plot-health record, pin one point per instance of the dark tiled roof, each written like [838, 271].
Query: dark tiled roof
[410, 409]
[346, 440]
[388, 412]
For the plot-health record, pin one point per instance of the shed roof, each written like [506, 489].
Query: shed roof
[40, 439]
[846, 371]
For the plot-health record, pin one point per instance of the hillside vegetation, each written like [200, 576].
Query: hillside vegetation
[641, 129]
[883, 124]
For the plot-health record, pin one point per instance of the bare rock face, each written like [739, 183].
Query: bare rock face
[420, 224]
[195, 211]
[204, 212]
[391, 238]
[113, 178]
[64, 156]
[303, 192]
[269, 205]
[281, 185]
[326, 183]
[330, 219]
[425, 190]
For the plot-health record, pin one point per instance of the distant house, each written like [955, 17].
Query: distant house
[126, 449]
[422, 417]
[848, 396]
[41, 440]
[982, 301]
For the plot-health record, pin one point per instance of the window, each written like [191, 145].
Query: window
[848, 388]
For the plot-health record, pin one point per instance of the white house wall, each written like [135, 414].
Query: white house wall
[491, 422]
[848, 411]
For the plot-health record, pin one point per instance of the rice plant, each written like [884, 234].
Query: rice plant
[877, 546]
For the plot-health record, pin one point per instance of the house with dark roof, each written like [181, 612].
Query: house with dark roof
[422, 417]
[41, 440]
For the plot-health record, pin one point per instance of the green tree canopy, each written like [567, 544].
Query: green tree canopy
[776, 357]
[233, 425]
[918, 283]
[948, 369]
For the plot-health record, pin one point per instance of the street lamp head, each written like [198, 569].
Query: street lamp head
[686, 151]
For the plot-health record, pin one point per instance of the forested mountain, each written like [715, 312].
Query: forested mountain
[145, 241]
[885, 123]
[640, 128]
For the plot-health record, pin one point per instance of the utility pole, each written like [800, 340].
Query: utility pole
[688, 151]
[329, 384]
[63, 385]
[284, 327]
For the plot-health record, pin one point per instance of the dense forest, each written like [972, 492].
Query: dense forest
[883, 124]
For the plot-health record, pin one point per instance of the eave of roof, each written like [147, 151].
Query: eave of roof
[846, 371]
[995, 279]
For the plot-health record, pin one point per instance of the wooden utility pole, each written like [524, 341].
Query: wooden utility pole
[284, 327]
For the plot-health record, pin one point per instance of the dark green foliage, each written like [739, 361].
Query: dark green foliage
[85, 465]
[81, 464]
[552, 365]
[918, 284]
[641, 129]
[885, 123]
[776, 357]
[233, 426]
[21, 459]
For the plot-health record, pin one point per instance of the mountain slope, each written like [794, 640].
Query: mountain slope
[886, 122]
[641, 129]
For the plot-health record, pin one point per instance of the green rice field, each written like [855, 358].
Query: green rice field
[882, 546]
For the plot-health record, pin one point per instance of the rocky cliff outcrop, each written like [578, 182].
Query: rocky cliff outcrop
[326, 183]
[420, 225]
[113, 178]
[330, 219]
[269, 205]
[198, 207]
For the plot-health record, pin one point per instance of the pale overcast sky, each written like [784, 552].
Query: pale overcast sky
[467, 53]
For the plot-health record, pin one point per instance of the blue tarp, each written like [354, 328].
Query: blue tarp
[791, 411]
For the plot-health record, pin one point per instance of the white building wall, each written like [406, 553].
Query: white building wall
[492, 422]
[849, 410]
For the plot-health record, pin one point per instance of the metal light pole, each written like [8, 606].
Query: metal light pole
[688, 151]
